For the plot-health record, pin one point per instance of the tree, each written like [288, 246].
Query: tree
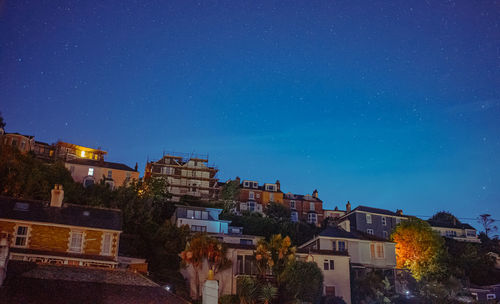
[488, 223]
[278, 212]
[302, 281]
[247, 289]
[418, 248]
[202, 248]
[274, 255]
[2, 122]
[267, 292]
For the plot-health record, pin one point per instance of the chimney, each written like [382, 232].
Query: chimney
[57, 195]
[278, 185]
[336, 208]
[136, 167]
[399, 212]
[237, 179]
[348, 207]
[315, 193]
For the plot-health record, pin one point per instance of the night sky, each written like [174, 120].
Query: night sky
[391, 104]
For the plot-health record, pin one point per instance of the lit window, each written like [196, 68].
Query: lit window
[368, 218]
[106, 244]
[82, 154]
[76, 241]
[91, 171]
[384, 221]
[21, 239]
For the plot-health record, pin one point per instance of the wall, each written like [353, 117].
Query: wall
[377, 226]
[81, 171]
[277, 197]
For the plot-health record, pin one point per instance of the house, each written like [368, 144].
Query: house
[367, 252]
[450, 227]
[67, 151]
[89, 172]
[240, 251]
[23, 143]
[60, 234]
[186, 175]
[254, 197]
[374, 221]
[200, 219]
[334, 214]
[307, 208]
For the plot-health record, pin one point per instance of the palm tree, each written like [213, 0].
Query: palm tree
[247, 289]
[267, 292]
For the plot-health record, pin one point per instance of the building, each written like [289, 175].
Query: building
[367, 252]
[254, 198]
[89, 172]
[307, 208]
[334, 214]
[186, 175]
[60, 234]
[200, 219]
[66, 151]
[24, 143]
[374, 221]
[240, 251]
[451, 227]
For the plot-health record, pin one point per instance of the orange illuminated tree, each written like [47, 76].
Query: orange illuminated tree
[418, 248]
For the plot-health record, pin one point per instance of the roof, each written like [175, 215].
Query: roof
[63, 254]
[102, 164]
[31, 283]
[337, 232]
[307, 197]
[376, 210]
[446, 224]
[68, 214]
[323, 252]
[15, 133]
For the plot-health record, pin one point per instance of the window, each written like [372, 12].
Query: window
[14, 142]
[311, 218]
[251, 195]
[251, 206]
[82, 153]
[398, 220]
[106, 244]
[451, 233]
[110, 174]
[245, 264]
[23, 145]
[372, 250]
[368, 218]
[196, 228]
[246, 242]
[332, 264]
[380, 251]
[271, 197]
[471, 233]
[245, 184]
[76, 241]
[193, 188]
[21, 236]
[292, 204]
[334, 245]
[329, 290]
[91, 172]
[386, 235]
[258, 195]
[311, 206]
[384, 221]
[342, 246]
[326, 265]
[190, 214]
[294, 216]
[255, 185]
[491, 296]
[204, 215]
[270, 187]
[369, 231]
[193, 173]
[197, 214]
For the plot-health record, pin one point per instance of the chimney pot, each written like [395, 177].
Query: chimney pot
[56, 196]
[348, 207]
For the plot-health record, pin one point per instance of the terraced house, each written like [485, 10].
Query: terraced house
[60, 234]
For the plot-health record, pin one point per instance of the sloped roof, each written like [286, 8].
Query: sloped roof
[337, 232]
[68, 214]
[446, 224]
[102, 164]
[376, 210]
[31, 283]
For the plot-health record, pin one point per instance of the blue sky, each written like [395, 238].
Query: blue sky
[387, 104]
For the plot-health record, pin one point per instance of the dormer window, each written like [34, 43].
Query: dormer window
[245, 184]
[255, 185]
[270, 187]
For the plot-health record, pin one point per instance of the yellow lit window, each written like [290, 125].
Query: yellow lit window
[82, 153]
